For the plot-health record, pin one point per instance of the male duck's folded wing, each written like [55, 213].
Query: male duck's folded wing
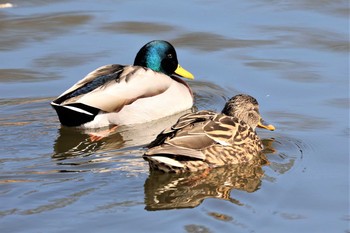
[95, 74]
[110, 93]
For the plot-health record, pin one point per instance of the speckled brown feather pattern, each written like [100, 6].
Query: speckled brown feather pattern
[206, 139]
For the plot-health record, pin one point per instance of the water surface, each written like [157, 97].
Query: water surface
[291, 55]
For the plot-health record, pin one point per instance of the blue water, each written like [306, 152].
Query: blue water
[293, 56]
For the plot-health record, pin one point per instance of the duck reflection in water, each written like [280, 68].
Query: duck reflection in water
[187, 190]
[73, 142]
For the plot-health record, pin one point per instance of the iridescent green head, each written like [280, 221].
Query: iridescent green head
[160, 56]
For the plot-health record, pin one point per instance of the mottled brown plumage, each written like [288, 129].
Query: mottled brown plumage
[207, 139]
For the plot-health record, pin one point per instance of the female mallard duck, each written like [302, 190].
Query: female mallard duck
[206, 139]
[122, 95]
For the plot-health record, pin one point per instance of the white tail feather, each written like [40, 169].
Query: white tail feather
[79, 110]
[168, 161]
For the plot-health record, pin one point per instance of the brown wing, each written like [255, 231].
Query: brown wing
[222, 129]
[183, 121]
[227, 130]
[168, 150]
[190, 136]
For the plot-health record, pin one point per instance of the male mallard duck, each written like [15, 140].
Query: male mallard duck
[122, 95]
[207, 139]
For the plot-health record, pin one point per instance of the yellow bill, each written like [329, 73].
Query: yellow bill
[183, 73]
[264, 125]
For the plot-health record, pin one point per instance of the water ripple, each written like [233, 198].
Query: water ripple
[16, 30]
[134, 27]
[208, 41]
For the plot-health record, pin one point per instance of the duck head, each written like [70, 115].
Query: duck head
[246, 108]
[160, 56]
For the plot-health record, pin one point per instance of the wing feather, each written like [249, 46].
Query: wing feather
[110, 92]
[167, 150]
[184, 121]
[101, 71]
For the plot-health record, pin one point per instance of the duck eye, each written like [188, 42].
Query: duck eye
[170, 56]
